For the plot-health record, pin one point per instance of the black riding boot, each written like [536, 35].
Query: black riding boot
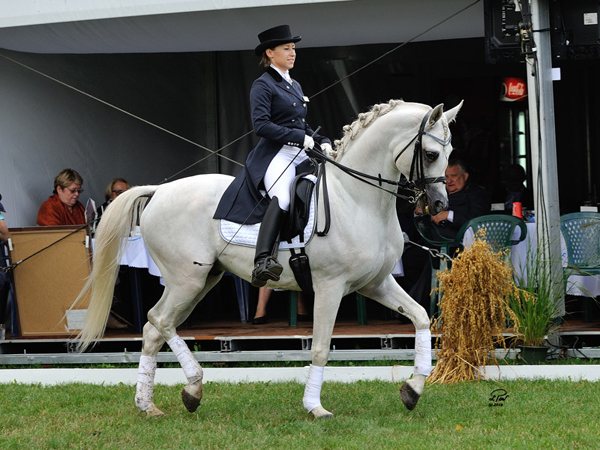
[266, 266]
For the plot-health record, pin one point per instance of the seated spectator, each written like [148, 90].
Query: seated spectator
[514, 189]
[4, 233]
[115, 188]
[63, 206]
[465, 202]
[4, 281]
[264, 294]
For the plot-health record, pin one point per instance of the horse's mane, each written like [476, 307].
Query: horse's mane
[363, 121]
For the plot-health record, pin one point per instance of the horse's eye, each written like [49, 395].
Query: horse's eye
[431, 156]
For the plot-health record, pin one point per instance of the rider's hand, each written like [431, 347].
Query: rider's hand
[309, 142]
[326, 147]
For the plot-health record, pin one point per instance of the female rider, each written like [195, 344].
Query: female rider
[261, 191]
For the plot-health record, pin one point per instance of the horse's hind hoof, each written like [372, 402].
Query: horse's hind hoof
[190, 402]
[153, 411]
[321, 413]
[409, 396]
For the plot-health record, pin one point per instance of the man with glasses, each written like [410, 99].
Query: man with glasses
[63, 206]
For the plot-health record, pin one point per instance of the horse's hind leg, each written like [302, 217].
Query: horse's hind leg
[144, 394]
[172, 309]
[191, 394]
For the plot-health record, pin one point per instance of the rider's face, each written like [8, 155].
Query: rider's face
[283, 56]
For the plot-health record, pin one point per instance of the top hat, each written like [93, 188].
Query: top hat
[273, 37]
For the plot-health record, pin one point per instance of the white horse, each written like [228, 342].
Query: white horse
[357, 255]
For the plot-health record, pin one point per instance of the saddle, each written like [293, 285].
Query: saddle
[297, 219]
[295, 223]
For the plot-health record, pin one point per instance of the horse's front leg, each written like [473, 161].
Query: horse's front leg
[390, 294]
[325, 312]
[144, 393]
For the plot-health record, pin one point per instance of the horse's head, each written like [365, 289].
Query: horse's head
[425, 167]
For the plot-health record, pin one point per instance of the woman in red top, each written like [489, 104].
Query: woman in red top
[63, 206]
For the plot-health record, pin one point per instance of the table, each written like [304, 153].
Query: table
[577, 285]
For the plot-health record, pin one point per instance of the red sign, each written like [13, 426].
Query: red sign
[513, 90]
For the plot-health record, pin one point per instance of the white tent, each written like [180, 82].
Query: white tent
[110, 26]
[67, 101]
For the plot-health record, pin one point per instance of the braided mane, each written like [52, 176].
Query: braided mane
[363, 121]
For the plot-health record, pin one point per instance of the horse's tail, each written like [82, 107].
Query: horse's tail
[110, 245]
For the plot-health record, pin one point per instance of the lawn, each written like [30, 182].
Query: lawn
[538, 414]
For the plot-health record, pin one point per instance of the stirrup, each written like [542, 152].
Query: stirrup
[265, 269]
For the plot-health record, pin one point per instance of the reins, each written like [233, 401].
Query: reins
[416, 187]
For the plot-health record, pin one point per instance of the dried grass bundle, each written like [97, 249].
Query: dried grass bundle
[474, 310]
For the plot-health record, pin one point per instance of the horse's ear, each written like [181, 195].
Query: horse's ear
[436, 115]
[451, 114]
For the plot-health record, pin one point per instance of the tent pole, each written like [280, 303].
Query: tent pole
[543, 147]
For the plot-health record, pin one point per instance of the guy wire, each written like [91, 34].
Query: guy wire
[218, 152]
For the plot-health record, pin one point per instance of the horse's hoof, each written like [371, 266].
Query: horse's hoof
[190, 402]
[321, 413]
[153, 411]
[409, 396]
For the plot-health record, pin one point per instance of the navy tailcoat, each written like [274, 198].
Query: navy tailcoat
[278, 116]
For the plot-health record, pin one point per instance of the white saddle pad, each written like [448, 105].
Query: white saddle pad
[247, 235]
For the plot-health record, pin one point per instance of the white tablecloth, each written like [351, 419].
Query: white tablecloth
[137, 256]
[581, 285]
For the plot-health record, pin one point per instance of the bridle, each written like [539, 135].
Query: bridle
[415, 187]
[417, 181]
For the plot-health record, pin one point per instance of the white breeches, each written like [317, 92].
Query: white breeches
[281, 173]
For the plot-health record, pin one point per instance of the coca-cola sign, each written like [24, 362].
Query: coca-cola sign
[513, 90]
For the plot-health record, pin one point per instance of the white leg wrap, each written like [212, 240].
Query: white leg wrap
[423, 352]
[312, 391]
[145, 384]
[190, 366]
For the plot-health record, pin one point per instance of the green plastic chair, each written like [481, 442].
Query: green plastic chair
[581, 231]
[500, 229]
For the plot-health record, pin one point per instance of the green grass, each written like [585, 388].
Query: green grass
[537, 414]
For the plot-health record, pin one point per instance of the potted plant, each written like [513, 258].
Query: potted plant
[536, 306]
